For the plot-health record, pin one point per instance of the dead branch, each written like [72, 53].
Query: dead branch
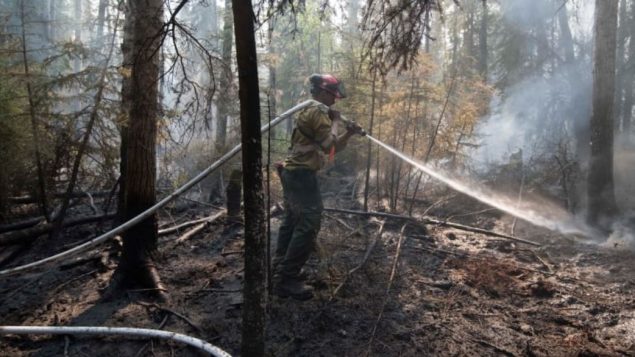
[187, 235]
[31, 199]
[208, 219]
[370, 248]
[30, 234]
[7, 254]
[161, 326]
[20, 225]
[428, 220]
[181, 316]
[390, 281]
[339, 221]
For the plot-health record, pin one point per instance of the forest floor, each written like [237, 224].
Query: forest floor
[452, 292]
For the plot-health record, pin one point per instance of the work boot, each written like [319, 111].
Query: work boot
[293, 287]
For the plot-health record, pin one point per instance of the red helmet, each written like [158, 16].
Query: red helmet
[328, 83]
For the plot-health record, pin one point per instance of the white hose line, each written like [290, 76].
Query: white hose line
[143, 215]
[123, 331]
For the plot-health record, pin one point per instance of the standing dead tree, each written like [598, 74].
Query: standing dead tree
[253, 329]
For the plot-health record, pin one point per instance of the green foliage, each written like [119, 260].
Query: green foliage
[14, 141]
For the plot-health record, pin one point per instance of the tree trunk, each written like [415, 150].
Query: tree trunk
[101, 19]
[77, 62]
[368, 146]
[482, 43]
[225, 79]
[127, 47]
[234, 189]
[213, 24]
[601, 196]
[566, 39]
[620, 62]
[34, 122]
[136, 267]
[272, 77]
[253, 327]
[628, 90]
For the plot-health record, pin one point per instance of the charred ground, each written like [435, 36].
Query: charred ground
[452, 293]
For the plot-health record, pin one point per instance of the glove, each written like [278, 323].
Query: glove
[355, 128]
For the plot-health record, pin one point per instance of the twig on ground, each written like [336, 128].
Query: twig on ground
[67, 342]
[59, 288]
[370, 248]
[444, 199]
[221, 291]
[187, 235]
[496, 348]
[424, 221]
[182, 317]
[161, 326]
[548, 266]
[470, 213]
[208, 219]
[388, 287]
[339, 221]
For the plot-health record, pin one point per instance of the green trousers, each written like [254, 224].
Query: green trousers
[301, 222]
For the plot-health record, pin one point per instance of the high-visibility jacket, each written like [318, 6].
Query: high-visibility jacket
[314, 136]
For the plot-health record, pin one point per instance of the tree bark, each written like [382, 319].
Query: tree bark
[253, 327]
[136, 267]
[234, 189]
[600, 191]
[127, 47]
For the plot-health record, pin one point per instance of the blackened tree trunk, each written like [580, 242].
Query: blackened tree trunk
[136, 268]
[253, 328]
[601, 196]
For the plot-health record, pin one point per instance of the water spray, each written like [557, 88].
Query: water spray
[543, 215]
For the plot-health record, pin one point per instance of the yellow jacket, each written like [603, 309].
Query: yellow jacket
[314, 135]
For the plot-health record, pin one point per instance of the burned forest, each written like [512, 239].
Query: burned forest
[317, 178]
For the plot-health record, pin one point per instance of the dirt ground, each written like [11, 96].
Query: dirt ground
[422, 291]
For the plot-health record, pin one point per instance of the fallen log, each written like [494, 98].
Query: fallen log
[434, 221]
[191, 232]
[21, 225]
[30, 234]
[31, 199]
[9, 253]
[208, 219]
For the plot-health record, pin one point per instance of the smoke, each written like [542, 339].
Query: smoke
[535, 112]
[623, 234]
[543, 100]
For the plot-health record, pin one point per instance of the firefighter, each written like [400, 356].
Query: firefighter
[318, 133]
